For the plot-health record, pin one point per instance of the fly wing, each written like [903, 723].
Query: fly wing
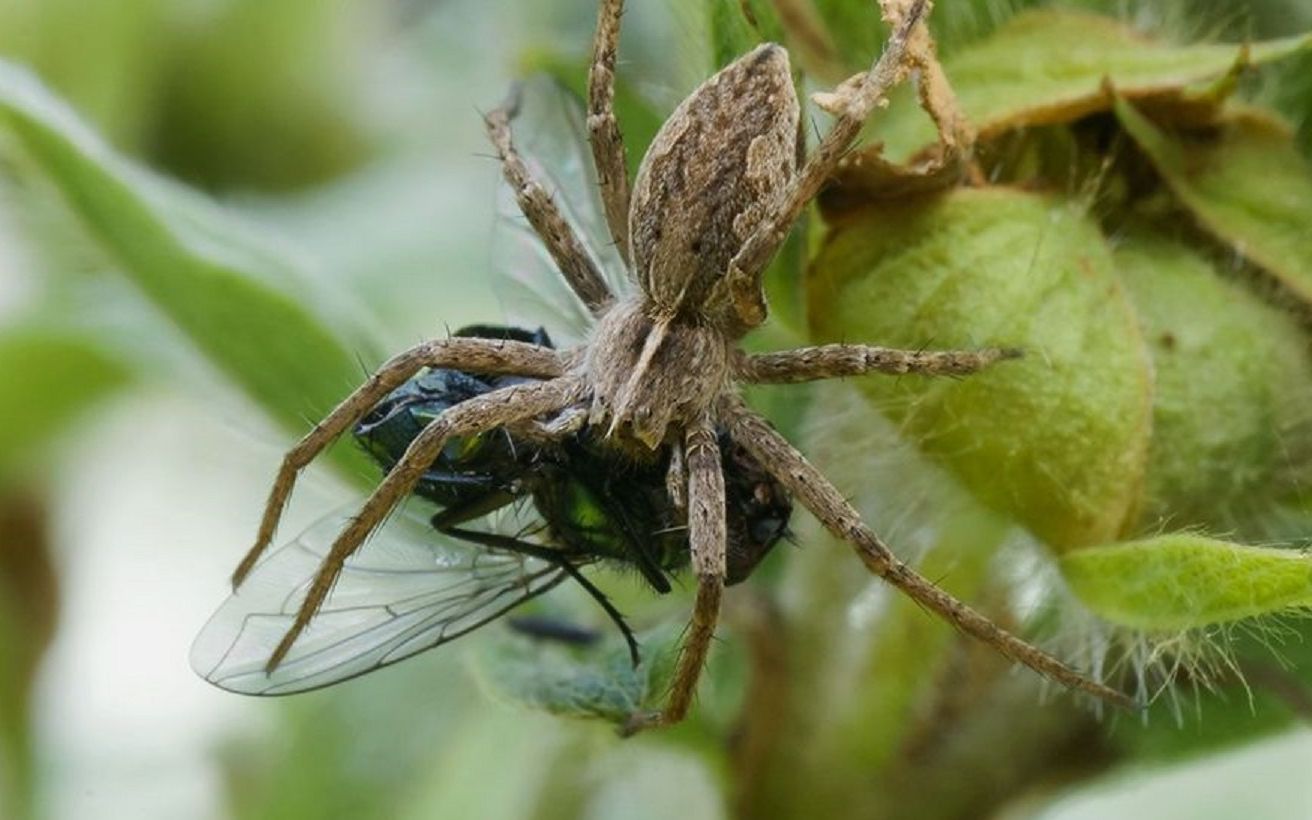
[551, 135]
[409, 588]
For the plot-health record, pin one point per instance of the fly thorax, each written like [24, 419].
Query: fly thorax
[650, 372]
[714, 171]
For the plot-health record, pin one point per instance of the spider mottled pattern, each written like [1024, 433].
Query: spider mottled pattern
[715, 196]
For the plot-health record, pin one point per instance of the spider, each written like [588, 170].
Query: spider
[713, 199]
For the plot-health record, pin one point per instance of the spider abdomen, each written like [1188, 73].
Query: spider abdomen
[714, 171]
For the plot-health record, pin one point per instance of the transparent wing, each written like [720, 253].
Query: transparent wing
[409, 588]
[551, 135]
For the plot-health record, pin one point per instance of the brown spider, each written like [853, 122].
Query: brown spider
[714, 198]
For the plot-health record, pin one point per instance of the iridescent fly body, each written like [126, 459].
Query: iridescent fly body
[595, 502]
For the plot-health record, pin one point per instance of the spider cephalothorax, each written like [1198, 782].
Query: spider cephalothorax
[714, 198]
[714, 175]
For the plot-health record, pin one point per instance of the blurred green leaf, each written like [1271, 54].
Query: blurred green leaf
[51, 379]
[241, 93]
[113, 76]
[1057, 440]
[1233, 380]
[738, 26]
[856, 29]
[594, 682]
[1050, 66]
[1185, 581]
[240, 302]
[257, 93]
[499, 764]
[1247, 184]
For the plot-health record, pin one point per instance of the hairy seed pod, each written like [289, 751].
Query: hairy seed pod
[716, 168]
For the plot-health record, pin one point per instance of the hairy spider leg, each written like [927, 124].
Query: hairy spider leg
[837, 515]
[834, 361]
[471, 417]
[676, 479]
[493, 356]
[566, 249]
[743, 277]
[603, 131]
[707, 536]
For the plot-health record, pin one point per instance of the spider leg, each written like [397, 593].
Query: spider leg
[493, 356]
[832, 361]
[603, 131]
[470, 417]
[854, 105]
[540, 209]
[676, 479]
[707, 537]
[570, 420]
[810, 486]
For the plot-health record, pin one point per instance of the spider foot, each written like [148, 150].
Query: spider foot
[640, 721]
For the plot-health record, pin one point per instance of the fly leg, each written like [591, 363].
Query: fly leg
[471, 417]
[707, 537]
[483, 355]
[451, 517]
[505, 542]
[810, 486]
[603, 131]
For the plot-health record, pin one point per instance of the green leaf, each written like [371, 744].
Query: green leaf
[1185, 581]
[856, 29]
[1247, 184]
[241, 303]
[1057, 440]
[1048, 66]
[592, 682]
[738, 26]
[112, 76]
[51, 379]
[1233, 381]
[260, 95]
[496, 763]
